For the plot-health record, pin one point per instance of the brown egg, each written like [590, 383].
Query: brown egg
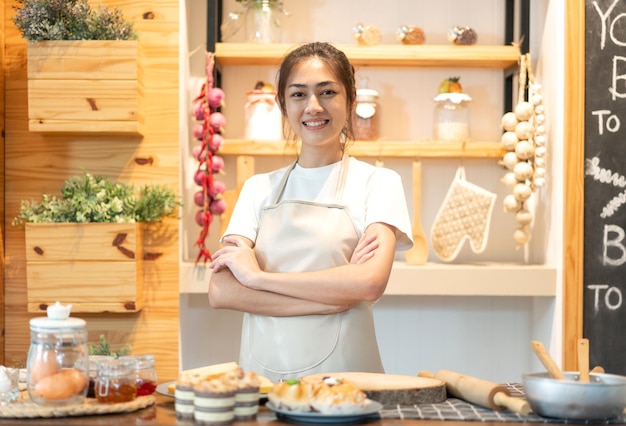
[45, 364]
[61, 385]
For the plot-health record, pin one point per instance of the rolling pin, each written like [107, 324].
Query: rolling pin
[480, 392]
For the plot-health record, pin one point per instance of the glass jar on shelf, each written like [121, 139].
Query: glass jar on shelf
[263, 118]
[261, 19]
[366, 115]
[452, 117]
[57, 362]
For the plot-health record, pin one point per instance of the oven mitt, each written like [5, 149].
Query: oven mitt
[464, 214]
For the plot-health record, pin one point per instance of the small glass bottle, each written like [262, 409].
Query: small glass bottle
[452, 117]
[57, 364]
[145, 374]
[366, 115]
[116, 381]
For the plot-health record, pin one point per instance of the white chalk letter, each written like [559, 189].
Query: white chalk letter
[616, 243]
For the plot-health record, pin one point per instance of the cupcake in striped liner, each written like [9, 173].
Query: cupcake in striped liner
[214, 400]
[247, 396]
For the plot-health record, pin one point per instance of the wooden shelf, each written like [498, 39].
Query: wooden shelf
[386, 149]
[485, 279]
[384, 55]
[434, 279]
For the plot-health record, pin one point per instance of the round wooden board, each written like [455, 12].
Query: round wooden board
[391, 389]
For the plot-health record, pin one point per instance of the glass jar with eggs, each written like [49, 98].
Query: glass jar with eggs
[57, 364]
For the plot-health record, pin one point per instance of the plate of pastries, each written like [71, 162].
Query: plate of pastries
[333, 400]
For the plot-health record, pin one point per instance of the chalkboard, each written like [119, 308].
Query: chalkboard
[604, 269]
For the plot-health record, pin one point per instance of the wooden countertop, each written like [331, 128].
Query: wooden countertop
[163, 414]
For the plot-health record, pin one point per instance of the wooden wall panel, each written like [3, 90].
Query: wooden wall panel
[38, 162]
[2, 208]
[573, 183]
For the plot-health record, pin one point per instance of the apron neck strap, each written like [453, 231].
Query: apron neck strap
[345, 160]
[341, 183]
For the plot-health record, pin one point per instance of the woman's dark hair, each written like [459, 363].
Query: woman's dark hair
[335, 59]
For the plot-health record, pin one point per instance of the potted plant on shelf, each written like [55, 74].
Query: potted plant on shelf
[86, 247]
[82, 67]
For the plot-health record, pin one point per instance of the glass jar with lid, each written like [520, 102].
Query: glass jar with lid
[366, 115]
[452, 117]
[145, 373]
[264, 121]
[94, 365]
[116, 381]
[57, 364]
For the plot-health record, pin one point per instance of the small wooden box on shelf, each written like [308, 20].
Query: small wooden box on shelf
[95, 267]
[85, 86]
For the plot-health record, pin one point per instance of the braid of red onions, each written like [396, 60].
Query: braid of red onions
[208, 132]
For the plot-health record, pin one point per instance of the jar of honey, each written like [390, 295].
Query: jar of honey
[57, 364]
[116, 381]
[145, 373]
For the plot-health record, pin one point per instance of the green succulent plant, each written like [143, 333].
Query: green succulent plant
[91, 198]
[104, 348]
[40, 20]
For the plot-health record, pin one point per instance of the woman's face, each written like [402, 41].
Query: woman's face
[315, 104]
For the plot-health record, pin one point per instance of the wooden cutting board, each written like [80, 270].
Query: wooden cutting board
[391, 389]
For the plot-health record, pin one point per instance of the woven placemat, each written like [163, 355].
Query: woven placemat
[457, 409]
[24, 408]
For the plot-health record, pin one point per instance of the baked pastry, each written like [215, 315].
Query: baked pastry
[336, 396]
[292, 395]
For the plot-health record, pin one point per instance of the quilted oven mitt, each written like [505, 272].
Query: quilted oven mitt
[464, 214]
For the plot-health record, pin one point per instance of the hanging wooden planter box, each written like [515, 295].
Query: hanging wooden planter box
[86, 86]
[96, 267]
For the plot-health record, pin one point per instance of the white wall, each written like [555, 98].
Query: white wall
[483, 336]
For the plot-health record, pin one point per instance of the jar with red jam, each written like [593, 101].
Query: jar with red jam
[145, 373]
[116, 381]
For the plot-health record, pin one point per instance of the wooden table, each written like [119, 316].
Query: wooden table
[163, 414]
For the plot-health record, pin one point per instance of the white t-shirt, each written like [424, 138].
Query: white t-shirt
[371, 194]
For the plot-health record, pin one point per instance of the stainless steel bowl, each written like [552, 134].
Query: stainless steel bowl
[604, 397]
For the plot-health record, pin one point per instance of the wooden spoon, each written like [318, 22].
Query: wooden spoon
[598, 369]
[553, 370]
[583, 360]
[418, 254]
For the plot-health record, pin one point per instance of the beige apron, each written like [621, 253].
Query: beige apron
[294, 236]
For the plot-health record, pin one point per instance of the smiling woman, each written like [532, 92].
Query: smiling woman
[309, 247]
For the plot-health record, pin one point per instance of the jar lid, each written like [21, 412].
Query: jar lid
[58, 318]
[455, 98]
[140, 361]
[366, 95]
[115, 367]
